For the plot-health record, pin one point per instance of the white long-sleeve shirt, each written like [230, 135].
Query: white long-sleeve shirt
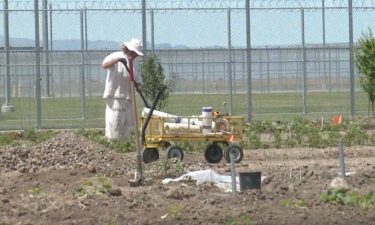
[117, 83]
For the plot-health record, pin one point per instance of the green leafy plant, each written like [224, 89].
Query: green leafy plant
[355, 134]
[37, 192]
[30, 135]
[253, 140]
[164, 165]
[175, 211]
[365, 61]
[105, 184]
[93, 186]
[293, 203]
[153, 80]
[179, 167]
[299, 132]
[343, 197]
[80, 192]
[15, 138]
[5, 140]
[87, 182]
[242, 219]
[188, 146]
[121, 145]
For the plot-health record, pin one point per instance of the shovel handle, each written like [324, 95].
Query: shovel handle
[131, 70]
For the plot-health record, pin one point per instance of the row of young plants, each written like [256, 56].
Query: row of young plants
[31, 136]
[300, 132]
[296, 132]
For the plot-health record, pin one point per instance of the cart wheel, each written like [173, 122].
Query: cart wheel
[165, 144]
[236, 149]
[150, 155]
[213, 153]
[175, 151]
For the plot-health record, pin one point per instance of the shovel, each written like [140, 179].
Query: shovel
[123, 61]
[138, 178]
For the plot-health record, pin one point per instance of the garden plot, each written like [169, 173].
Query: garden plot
[69, 179]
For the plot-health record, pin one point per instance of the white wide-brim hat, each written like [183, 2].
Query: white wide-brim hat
[134, 45]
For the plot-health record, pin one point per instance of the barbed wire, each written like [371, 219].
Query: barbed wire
[189, 4]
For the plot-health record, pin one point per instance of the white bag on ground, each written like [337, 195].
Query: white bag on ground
[207, 176]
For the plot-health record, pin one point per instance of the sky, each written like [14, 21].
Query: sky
[199, 28]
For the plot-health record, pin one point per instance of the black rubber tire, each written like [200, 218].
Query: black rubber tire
[238, 152]
[164, 145]
[213, 153]
[150, 155]
[176, 152]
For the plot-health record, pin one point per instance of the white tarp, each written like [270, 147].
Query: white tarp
[208, 176]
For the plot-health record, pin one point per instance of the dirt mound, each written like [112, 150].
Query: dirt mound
[65, 150]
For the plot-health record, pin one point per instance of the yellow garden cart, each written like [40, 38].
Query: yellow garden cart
[225, 136]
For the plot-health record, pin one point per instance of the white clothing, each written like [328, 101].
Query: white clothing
[119, 109]
[118, 118]
[117, 83]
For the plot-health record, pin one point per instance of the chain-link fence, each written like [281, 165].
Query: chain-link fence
[300, 64]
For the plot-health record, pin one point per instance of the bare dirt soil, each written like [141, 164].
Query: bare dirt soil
[72, 180]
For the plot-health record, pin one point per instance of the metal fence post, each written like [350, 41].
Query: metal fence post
[330, 70]
[341, 157]
[51, 48]
[37, 67]
[304, 68]
[45, 49]
[230, 63]
[260, 66]
[88, 72]
[280, 68]
[85, 30]
[50, 27]
[152, 32]
[203, 65]
[324, 46]
[248, 62]
[351, 60]
[83, 97]
[268, 70]
[144, 28]
[7, 106]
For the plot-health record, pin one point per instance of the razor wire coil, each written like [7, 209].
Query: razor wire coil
[190, 4]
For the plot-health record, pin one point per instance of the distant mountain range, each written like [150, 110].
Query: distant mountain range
[75, 44]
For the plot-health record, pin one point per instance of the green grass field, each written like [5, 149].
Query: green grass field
[67, 112]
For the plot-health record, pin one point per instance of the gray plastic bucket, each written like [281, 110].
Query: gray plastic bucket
[250, 180]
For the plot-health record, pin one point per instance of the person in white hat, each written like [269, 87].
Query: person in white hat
[119, 110]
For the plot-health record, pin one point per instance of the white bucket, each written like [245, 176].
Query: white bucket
[206, 120]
